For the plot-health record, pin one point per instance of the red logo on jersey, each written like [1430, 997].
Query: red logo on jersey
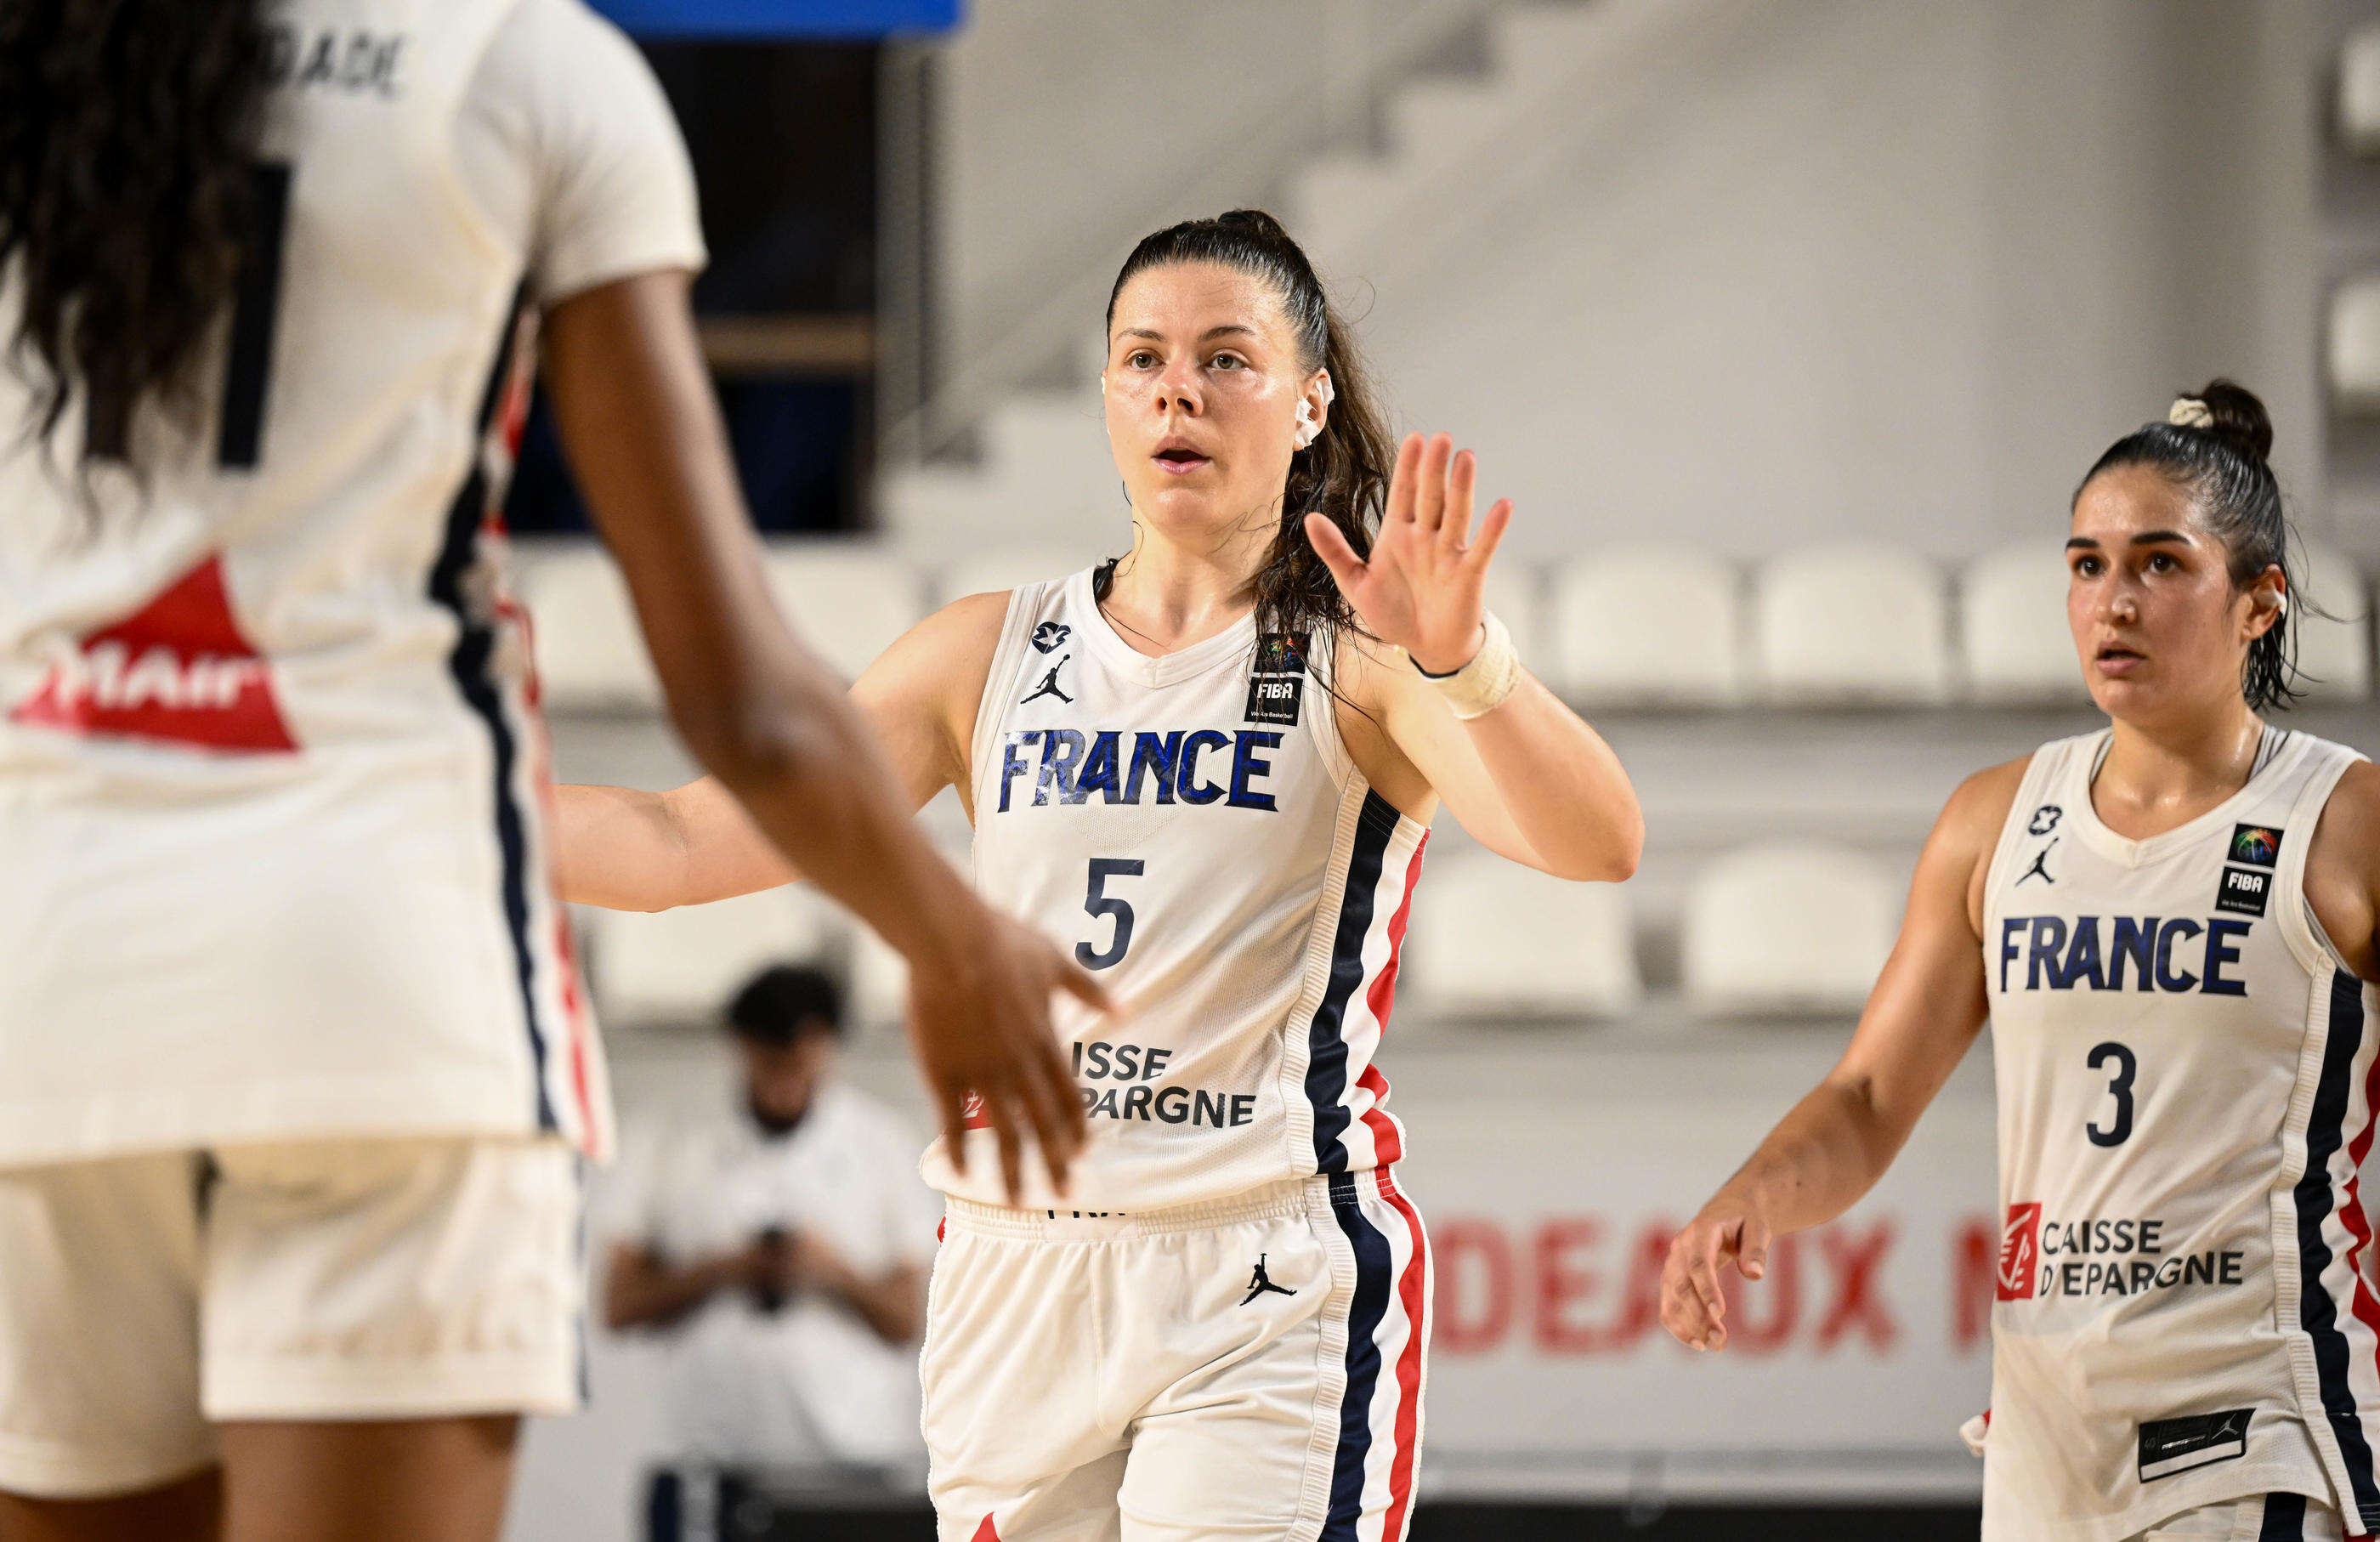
[2019, 1251]
[972, 1115]
[177, 671]
[985, 1533]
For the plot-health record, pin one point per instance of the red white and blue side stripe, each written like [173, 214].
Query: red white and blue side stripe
[492, 668]
[2338, 1316]
[1352, 1129]
[1388, 1336]
[1356, 1138]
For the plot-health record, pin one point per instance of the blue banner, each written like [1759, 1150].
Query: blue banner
[780, 19]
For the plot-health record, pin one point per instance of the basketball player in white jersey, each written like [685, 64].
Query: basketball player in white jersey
[2169, 926]
[1210, 768]
[294, 1070]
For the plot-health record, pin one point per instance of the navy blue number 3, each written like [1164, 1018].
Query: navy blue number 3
[2126, 1067]
[1098, 901]
[254, 309]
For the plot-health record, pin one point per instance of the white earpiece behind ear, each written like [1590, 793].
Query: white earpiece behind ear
[1306, 427]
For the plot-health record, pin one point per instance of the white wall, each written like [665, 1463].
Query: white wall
[1884, 271]
[1842, 268]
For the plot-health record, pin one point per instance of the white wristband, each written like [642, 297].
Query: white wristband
[1481, 685]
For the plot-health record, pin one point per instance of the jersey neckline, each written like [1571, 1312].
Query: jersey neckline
[2084, 771]
[1163, 669]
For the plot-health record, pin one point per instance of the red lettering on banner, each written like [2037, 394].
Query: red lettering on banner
[1779, 1290]
[1564, 1281]
[1474, 1287]
[1974, 1281]
[1639, 1304]
[1857, 1305]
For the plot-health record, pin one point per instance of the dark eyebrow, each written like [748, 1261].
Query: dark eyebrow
[1228, 330]
[2147, 537]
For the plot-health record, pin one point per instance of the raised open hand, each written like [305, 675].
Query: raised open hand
[1422, 588]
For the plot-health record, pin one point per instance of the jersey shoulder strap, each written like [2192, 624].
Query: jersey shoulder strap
[1028, 605]
[2038, 808]
[2319, 765]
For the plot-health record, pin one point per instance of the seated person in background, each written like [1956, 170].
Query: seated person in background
[783, 1246]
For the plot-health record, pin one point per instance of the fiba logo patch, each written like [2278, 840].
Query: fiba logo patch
[1277, 680]
[2020, 1254]
[2259, 845]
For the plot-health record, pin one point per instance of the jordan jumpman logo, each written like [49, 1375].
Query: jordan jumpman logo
[1260, 1282]
[1048, 685]
[2040, 867]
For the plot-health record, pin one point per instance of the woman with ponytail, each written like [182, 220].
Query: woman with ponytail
[1211, 764]
[294, 1072]
[2169, 925]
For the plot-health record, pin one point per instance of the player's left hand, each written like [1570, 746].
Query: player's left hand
[1422, 588]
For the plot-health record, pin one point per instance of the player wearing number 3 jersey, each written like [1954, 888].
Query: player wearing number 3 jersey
[1210, 768]
[2169, 925]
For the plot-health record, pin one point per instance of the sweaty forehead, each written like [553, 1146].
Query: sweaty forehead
[2119, 502]
[1186, 300]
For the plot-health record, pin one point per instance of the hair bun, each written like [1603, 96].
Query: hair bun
[1257, 219]
[2229, 412]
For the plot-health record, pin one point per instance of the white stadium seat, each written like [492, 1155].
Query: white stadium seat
[1657, 626]
[848, 600]
[1843, 625]
[2015, 640]
[1792, 928]
[2355, 346]
[1008, 567]
[590, 654]
[2334, 651]
[2358, 90]
[682, 965]
[1491, 938]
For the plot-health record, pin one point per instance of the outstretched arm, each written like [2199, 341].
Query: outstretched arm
[625, 849]
[644, 435]
[1529, 779]
[1823, 1156]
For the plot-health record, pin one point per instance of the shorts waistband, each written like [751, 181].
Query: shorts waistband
[1291, 1196]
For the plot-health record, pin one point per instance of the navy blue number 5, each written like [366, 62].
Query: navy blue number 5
[254, 309]
[1098, 901]
[2122, 1088]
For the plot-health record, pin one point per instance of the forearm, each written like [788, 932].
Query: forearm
[1821, 1158]
[1563, 788]
[892, 1304]
[618, 848]
[642, 1291]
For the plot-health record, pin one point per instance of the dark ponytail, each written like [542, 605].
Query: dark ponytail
[1343, 475]
[127, 129]
[2220, 456]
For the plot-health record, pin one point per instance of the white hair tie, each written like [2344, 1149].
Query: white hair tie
[2189, 412]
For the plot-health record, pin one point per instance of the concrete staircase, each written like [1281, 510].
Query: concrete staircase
[1043, 476]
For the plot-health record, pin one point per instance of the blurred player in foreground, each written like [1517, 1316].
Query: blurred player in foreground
[294, 1072]
[2169, 925]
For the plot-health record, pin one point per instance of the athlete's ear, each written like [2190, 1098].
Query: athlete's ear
[2268, 600]
[1314, 408]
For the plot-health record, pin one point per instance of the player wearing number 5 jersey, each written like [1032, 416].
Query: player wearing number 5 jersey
[1210, 765]
[295, 1073]
[2169, 925]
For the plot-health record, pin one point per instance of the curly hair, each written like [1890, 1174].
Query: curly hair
[128, 128]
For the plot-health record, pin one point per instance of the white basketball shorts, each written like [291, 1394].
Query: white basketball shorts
[144, 1297]
[1250, 1367]
[2258, 1518]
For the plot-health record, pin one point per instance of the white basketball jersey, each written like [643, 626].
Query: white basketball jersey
[2184, 1066]
[271, 772]
[1192, 827]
